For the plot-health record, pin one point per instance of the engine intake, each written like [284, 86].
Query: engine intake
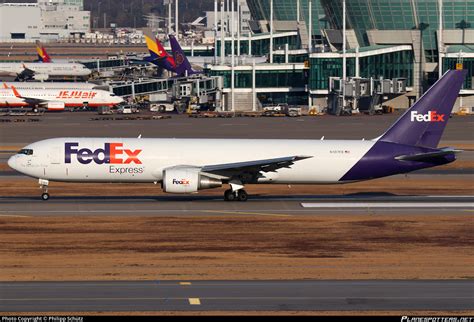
[187, 180]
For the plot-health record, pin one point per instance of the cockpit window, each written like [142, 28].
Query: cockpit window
[26, 151]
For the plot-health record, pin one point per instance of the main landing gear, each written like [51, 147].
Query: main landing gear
[239, 195]
[44, 185]
[236, 193]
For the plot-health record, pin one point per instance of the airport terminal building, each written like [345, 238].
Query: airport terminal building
[395, 49]
[390, 43]
[46, 20]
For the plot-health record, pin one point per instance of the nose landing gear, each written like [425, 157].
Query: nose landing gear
[44, 185]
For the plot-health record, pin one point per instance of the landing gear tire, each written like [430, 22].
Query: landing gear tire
[229, 195]
[45, 196]
[242, 195]
[239, 195]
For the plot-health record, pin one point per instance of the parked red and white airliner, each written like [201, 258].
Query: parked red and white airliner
[57, 99]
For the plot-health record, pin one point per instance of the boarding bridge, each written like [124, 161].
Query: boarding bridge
[140, 87]
[111, 67]
[111, 64]
[365, 95]
[198, 90]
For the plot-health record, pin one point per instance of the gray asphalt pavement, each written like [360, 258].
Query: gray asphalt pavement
[382, 204]
[324, 295]
[79, 124]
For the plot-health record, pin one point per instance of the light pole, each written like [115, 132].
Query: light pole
[271, 31]
[422, 26]
[215, 32]
[176, 19]
[222, 34]
[98, 15]
[310, 27]
[440, 39]
[169, 2]
[344, 72]
[232, 81]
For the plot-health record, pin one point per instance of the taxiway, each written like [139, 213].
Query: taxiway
[322, 295]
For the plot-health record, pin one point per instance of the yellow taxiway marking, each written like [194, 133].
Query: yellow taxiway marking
[194, 301]
[184, 283]
[245, 213]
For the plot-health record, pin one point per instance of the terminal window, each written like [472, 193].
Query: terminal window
[17, 36]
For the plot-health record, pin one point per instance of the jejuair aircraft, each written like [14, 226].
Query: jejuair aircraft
[190, 165]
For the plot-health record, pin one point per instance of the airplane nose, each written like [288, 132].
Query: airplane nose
[12, 162]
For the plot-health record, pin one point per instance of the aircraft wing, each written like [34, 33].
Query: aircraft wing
[29, 100]
[26, 73]
[252, 167]
[429, 156]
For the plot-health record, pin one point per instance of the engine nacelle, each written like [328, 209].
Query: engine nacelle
[40, 77]
[55, 106]
[187, 180]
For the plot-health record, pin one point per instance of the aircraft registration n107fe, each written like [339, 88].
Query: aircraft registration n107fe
[190, 165]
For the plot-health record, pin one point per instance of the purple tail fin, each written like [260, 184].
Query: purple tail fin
[183, 67]
[424, 123]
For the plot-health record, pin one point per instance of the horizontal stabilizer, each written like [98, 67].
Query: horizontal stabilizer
[429, 156]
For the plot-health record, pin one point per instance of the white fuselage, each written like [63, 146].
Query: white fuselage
[51, 85]
[143, 160]
[70, 98]
[49, 69]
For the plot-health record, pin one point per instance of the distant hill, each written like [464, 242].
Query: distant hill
[130, 12]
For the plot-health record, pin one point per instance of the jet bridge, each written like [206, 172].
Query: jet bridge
[140, 87]
[365, 95]
[198, 90]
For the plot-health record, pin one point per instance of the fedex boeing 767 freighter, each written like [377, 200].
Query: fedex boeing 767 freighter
[190, 165]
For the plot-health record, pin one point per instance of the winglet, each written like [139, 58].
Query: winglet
[5, 86]
[15, 91]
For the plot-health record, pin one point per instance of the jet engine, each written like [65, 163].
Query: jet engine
[55, 106]
[40, 77]
[187, 180]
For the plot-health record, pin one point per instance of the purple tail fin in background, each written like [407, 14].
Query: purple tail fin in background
[183, 67]
[423, 124]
